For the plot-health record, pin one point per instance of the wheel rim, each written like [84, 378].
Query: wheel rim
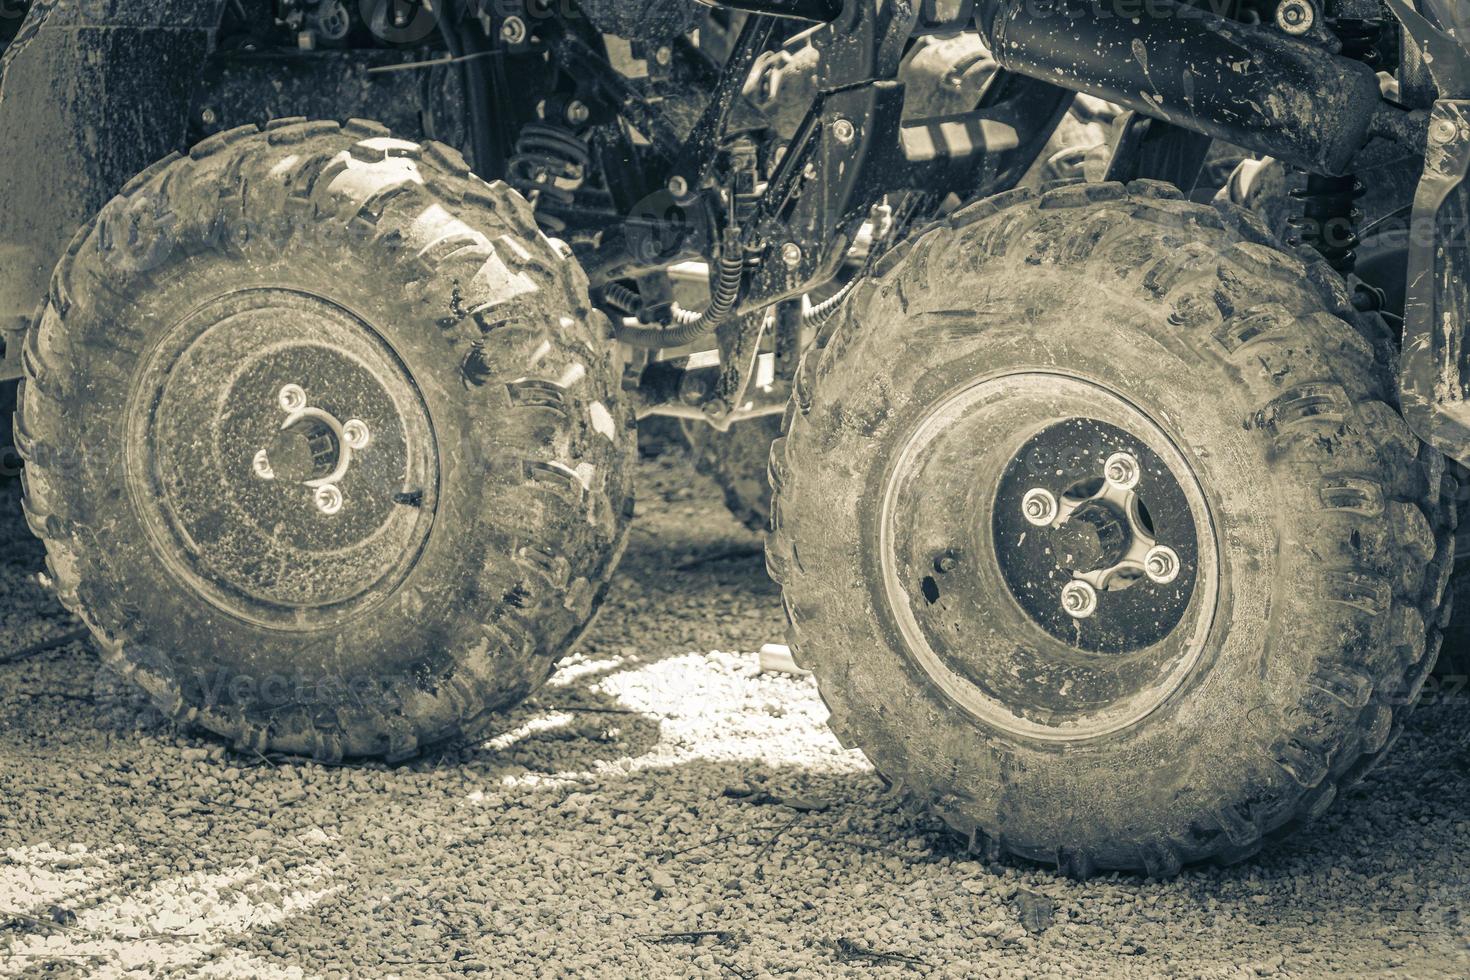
[1048, 556]
[282, 458]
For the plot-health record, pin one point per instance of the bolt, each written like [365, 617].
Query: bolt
[1443, 131]
[946, 563]
[328, 499]
[678, 186]
[292, 398]
[355, 433]
[791, 255]
[664, 55]
[1121, 470]
[262, 466]
[1040, 507]
[513, 30]
[578, 113]
[1296, 17]
[1161, 565]
[844, 130]
[208, 117]
[1079, 600]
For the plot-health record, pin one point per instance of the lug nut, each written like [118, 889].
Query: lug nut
[1296, 17]
[292, 398]
[1079, 600]
[355, 433]
[1122, 471]
[328, 499]
[513, 30]
[1161, 565]
[262, 466]
[1039, 507]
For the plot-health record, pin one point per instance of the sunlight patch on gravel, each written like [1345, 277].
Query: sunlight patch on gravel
[179, 921]
[43, 875]
[730, 712]
[713, 707]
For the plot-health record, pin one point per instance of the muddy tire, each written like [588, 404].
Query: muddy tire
[324, 440]
[736, 460]
[1188, 715]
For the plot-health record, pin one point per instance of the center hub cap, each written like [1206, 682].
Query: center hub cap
[291, 458]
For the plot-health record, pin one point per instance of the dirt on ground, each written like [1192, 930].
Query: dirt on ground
[661, 808]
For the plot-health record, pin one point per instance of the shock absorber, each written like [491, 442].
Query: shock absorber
[1361, 40]
[548, 163]
[1328, 218]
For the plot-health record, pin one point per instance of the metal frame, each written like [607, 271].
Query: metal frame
[1295, 99]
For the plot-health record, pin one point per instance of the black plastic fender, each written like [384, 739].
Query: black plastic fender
[91, 93]
[1434, 369]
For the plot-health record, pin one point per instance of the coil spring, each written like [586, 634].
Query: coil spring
[548, 163]
[1329, 216]
[1360, 39]
[1329, 219]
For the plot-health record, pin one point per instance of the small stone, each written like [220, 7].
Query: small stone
[1035, 911]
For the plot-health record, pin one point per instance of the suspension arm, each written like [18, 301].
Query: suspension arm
[1248, 85]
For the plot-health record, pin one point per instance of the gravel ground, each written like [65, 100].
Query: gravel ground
[661, 809]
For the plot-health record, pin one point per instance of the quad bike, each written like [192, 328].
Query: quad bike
[1115, 528]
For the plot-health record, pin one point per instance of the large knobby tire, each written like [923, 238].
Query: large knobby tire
[177, 479]
[1309, 523]
[736, 460]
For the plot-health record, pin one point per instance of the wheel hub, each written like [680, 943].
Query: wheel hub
[1048, 557]
[312, 448]
[283, 458]
[1075, 521]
